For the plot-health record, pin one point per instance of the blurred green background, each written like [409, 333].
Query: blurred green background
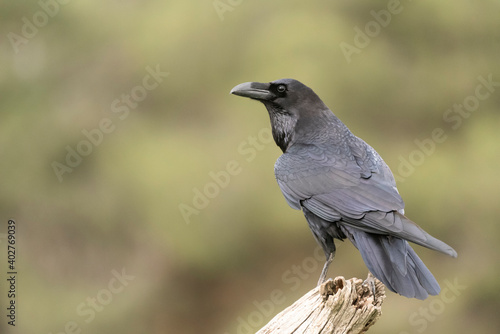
[71, 67]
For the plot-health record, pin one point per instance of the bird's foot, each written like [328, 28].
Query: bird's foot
[370, 284]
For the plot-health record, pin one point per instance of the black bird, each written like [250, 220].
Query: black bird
[343, 187]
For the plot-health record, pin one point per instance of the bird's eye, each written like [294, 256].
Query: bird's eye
[281, 88]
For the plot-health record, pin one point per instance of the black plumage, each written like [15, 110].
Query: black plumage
[343, 187]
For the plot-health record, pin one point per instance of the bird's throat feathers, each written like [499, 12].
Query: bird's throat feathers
[282, 125]
[290, 126]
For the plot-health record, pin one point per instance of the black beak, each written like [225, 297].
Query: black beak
[254, 90]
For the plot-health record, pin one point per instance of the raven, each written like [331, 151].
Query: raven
[343, 187]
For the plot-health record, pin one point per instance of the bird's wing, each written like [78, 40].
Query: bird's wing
[340, 188]
[351, 181]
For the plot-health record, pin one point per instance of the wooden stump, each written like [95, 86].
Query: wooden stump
[337, 306]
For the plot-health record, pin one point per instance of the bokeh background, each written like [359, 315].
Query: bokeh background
[69, 67]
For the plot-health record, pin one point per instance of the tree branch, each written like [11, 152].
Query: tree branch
[336, 306]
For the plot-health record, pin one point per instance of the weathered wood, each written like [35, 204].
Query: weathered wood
[337, 306]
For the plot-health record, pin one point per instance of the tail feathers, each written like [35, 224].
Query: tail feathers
[395, 263]
[395, 224]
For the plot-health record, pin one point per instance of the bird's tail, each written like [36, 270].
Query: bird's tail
[395, 263]
[395, 224]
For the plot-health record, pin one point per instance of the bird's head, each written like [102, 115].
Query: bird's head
[293, 107]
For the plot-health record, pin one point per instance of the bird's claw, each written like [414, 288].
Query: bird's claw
[370, 283]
